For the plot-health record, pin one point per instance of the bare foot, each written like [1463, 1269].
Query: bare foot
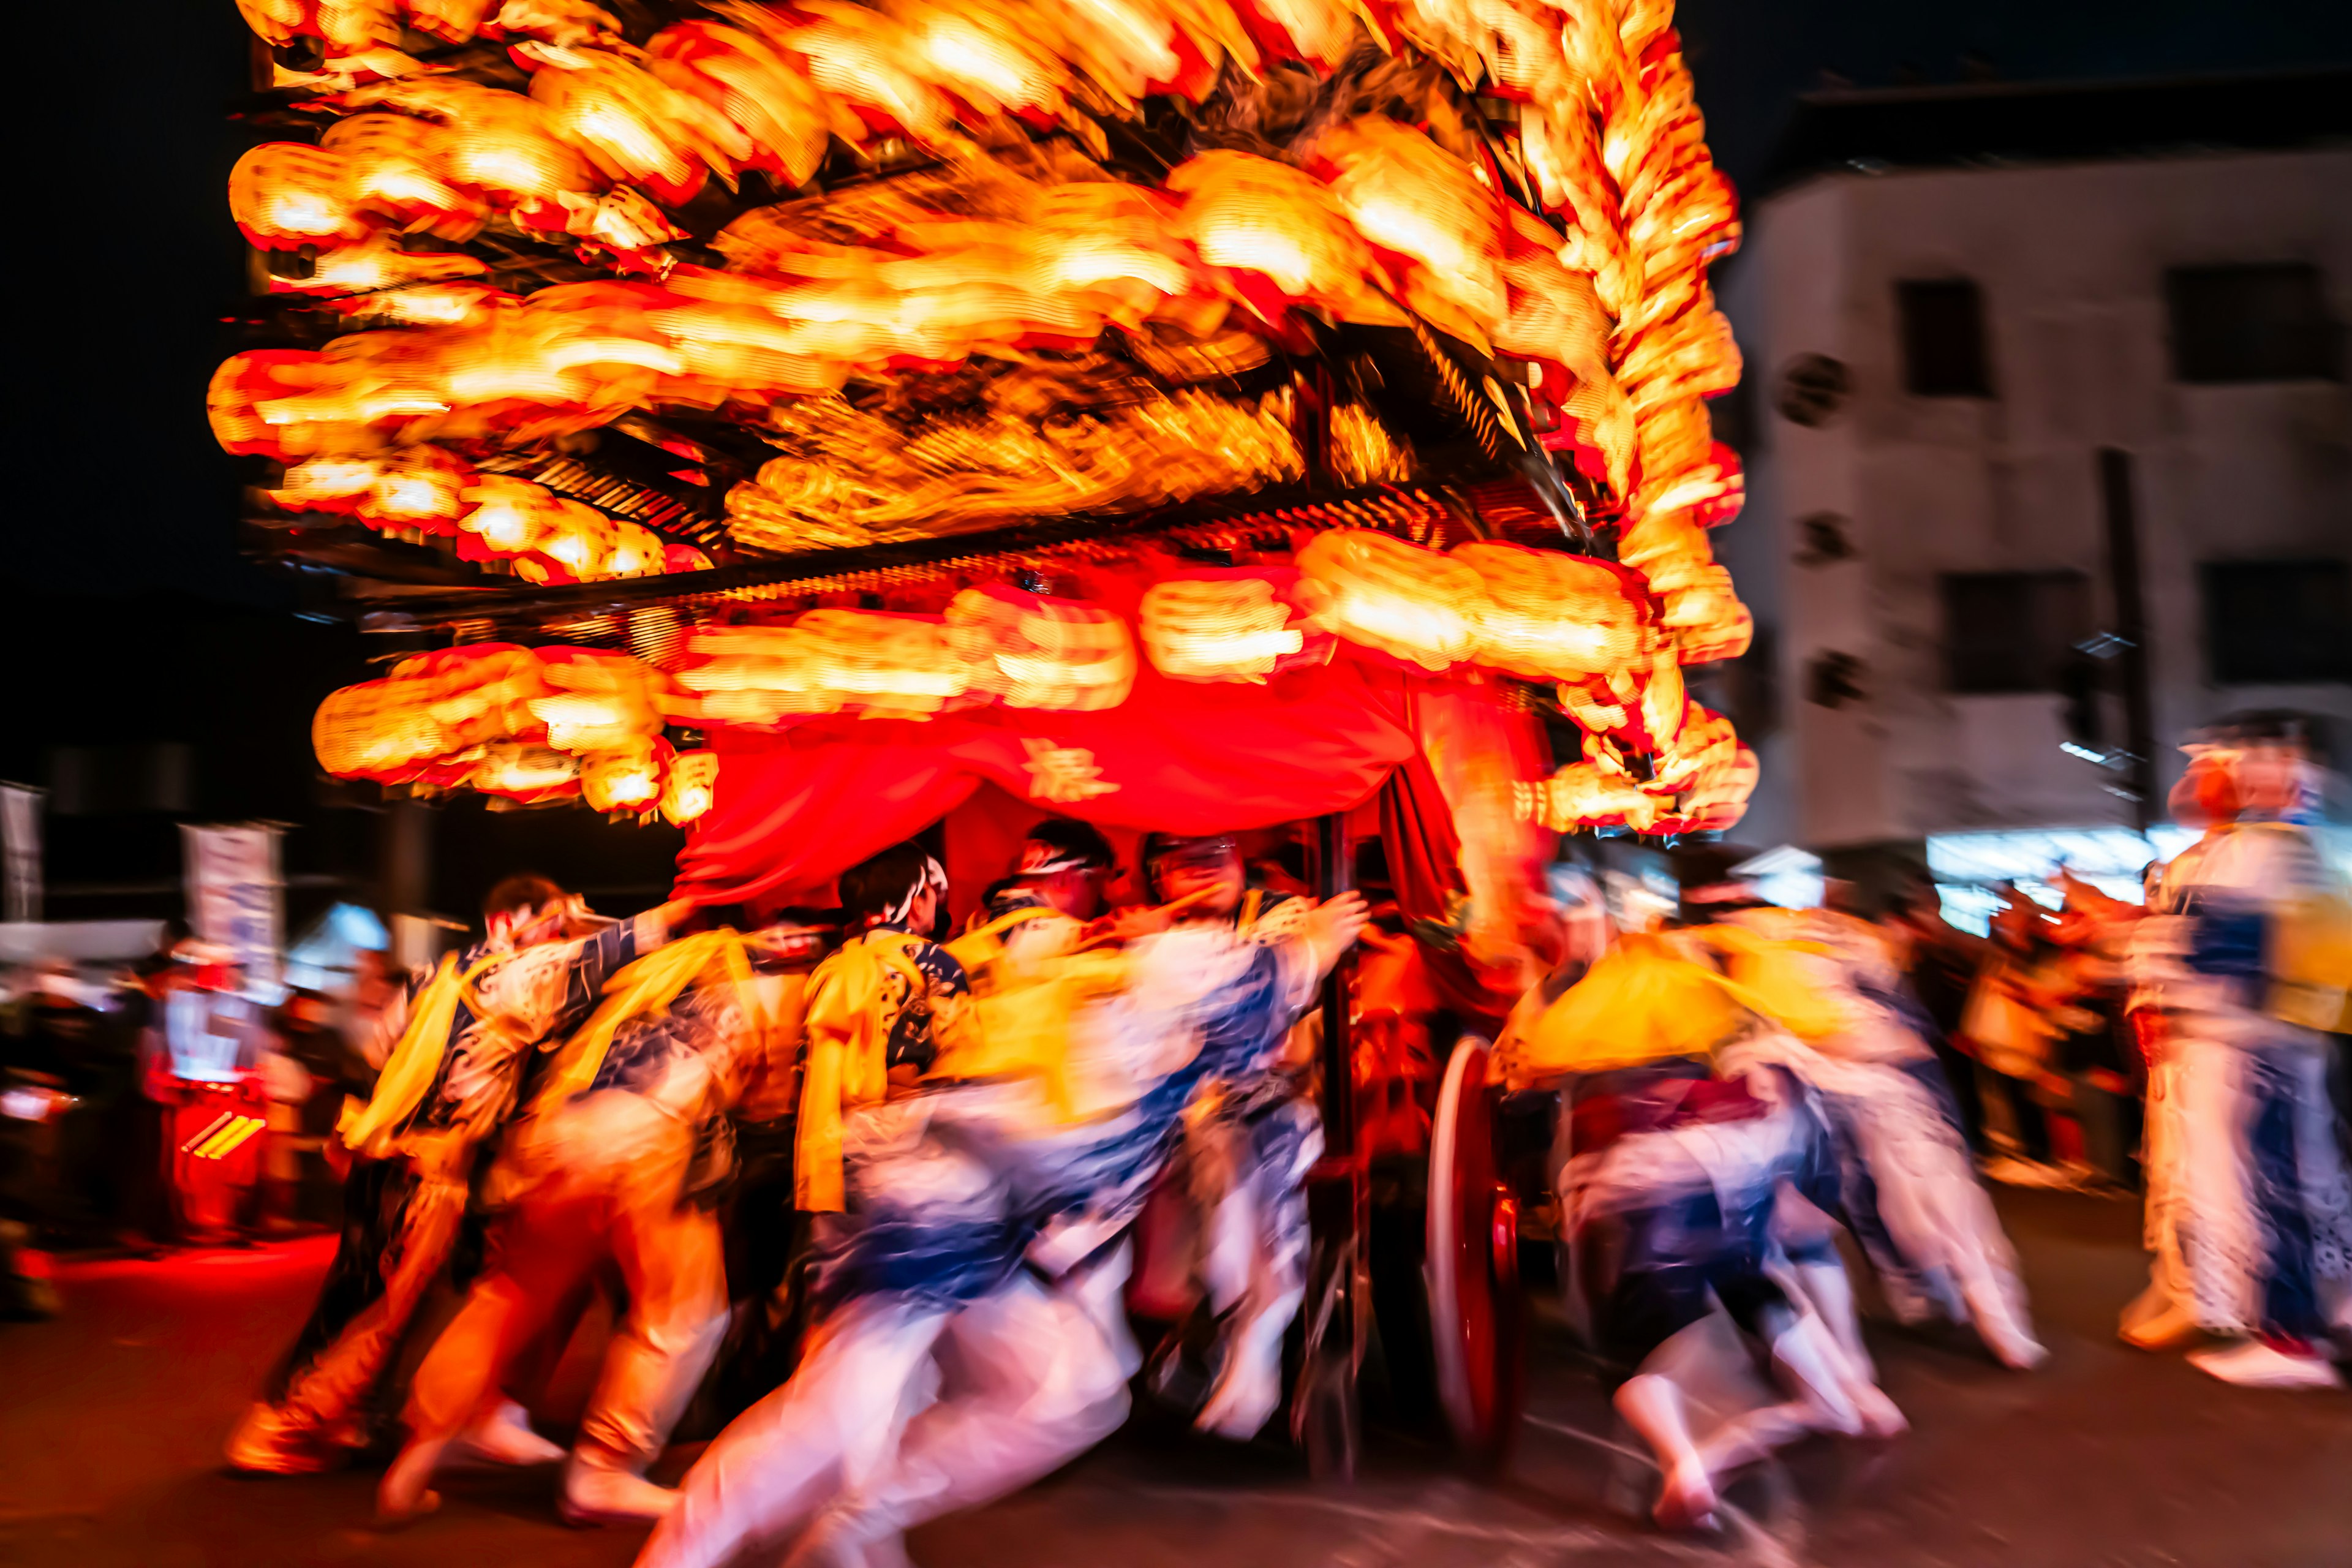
[1881, 1417]
[2173, 1325]
[1687, 1501]
[505, 1438]
[402, 1495]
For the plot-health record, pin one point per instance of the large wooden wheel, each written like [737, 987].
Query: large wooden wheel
[1472, 1264]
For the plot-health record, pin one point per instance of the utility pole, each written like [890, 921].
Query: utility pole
[2122, 516]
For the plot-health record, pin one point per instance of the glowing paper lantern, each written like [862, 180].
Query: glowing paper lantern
[524, 774]
[783, 120]
[1411, 198]
[827, 661]
[1228, 626]
[481, 691]
[286, 195]
[1550, 616]
[1411, 604]
[986, 56]
[626, 779]
[379, 730]
[691, 786]
[602, 702]
[633, 125]
[870, 61]
[1269, 221]
[1031, 651]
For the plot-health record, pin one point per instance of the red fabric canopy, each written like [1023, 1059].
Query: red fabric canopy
[794, 809]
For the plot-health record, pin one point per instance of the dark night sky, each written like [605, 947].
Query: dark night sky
[126, 259]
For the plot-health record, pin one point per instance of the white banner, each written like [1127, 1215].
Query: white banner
[20, 833]
[235, 897]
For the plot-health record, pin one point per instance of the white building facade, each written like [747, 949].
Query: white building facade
[1959, 374]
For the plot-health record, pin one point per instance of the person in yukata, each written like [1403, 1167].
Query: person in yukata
[617, 1163]
[2241, 970]
[970, 1336]
[466, 1037]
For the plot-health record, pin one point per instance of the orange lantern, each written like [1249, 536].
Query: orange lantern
[827, 661]
[601, 702]
[747, 79]
[691, 786]
[1269, 222]
[1550, 616]
[287, 195]
[1588, 795]
[394, 168]
[1226, 626]
[632, 125]
[1413, 200]
[1031, 651]
[379, 730]
[525, 773]
[481, 691]
[1413, 605]
[625, 779]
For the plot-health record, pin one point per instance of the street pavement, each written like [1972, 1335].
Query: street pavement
[111, 1420]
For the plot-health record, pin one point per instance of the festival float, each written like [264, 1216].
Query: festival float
[815, 422]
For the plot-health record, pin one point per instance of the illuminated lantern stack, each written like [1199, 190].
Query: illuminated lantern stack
[443, 219]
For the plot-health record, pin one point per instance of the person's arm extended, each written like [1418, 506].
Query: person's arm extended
[596, 958]
[1323, 936]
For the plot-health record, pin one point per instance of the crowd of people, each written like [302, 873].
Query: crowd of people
[865, 1191]
[932, 1149]
[97, 1060]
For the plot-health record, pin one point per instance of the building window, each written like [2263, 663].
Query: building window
[2278, 622]
[2251, 323]
[2013, 631]
[1943, 339]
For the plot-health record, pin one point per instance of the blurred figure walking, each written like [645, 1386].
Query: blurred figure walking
[2241, 965]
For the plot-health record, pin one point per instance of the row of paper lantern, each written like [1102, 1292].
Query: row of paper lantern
[1395, 219]
[528, 725]
[1589, 626]
[428, 489]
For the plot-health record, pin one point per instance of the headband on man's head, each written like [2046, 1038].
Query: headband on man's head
[933, 879]
[1166, 847]
[1046, 859]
